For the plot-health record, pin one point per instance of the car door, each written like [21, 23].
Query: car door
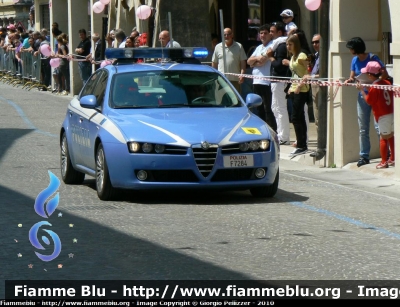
[81, 129]
[90, 125]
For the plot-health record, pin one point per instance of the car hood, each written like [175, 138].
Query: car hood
[187, 126]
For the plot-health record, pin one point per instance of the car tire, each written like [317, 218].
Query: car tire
[267, 191]
[68, 174]
[105, 190]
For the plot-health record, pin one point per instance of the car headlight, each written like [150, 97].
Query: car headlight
[147, 147]
[159, 148]
[254, 145]
[264, 144]
[134, 146]
[244, 146]
[152, 148]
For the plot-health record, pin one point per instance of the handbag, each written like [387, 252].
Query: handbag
[287, 87]
[289, 84]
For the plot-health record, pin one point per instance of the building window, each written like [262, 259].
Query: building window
[254, 12]
[45, 16]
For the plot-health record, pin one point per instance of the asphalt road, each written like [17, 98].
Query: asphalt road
[323, 224]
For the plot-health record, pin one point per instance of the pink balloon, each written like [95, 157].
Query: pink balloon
[143, 12]
[15, 1]
[45, 50]
[98, 7]
[313, 5]
[105, 2]
[55, 62]
[105, 63]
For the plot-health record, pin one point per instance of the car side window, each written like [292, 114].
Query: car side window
[90, 84]
[100, 89]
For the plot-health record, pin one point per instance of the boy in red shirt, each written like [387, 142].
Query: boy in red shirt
[381, 102]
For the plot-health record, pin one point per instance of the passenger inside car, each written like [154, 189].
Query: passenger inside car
[174, 93]
[126, 92]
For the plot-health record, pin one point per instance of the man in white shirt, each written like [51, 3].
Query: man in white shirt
[235, 58]
[261, 65]
[165, 40]
[121, 37]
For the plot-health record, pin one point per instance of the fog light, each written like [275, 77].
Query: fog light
[254, 145]
[244, 146]
[260, 173]
[147, 147]
[141, 175]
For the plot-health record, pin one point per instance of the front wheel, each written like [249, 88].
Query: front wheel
[105, 190]
[267, 191]
[68, 174]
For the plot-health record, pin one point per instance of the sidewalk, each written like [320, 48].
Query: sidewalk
[312, 145]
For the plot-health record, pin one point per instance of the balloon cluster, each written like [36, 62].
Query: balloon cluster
[313, 5]
[99, 6]
[45, 49]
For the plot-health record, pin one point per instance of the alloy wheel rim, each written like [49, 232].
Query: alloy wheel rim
[100, 170]
[64, 156]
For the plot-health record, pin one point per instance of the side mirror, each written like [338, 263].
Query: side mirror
[253, 100]
[88, 102]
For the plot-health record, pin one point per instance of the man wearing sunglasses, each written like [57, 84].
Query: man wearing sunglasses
[315, 74]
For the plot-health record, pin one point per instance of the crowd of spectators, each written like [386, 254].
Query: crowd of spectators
[18, 40]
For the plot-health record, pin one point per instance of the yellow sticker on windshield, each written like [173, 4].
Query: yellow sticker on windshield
[251, 130]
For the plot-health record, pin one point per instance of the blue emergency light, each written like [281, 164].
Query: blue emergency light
[157, 53]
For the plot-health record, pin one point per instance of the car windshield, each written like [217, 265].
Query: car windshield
[176, 89]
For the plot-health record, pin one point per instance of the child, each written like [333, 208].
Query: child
[381, 102]
[287, 17]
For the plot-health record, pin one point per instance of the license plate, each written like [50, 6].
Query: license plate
[238, 161]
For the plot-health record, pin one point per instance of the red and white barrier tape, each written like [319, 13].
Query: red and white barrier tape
[321, 82]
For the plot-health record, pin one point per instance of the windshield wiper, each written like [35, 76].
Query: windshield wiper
[133, 107]
[208, 105]
[174, 105]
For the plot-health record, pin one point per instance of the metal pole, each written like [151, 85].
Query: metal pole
[103, 35]
[323, 73]
[221, 17]
[116, 45]
[171, 40]
[157, 24]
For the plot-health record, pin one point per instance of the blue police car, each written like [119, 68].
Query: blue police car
[166, 122]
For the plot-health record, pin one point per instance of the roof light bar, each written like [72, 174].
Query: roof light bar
[158, 53]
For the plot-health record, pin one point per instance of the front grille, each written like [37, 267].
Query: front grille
[172, 176]
[234, 174]
[205, 158]
[175, 150]
[231, 149]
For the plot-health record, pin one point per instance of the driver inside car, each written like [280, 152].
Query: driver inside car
[195, 92]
